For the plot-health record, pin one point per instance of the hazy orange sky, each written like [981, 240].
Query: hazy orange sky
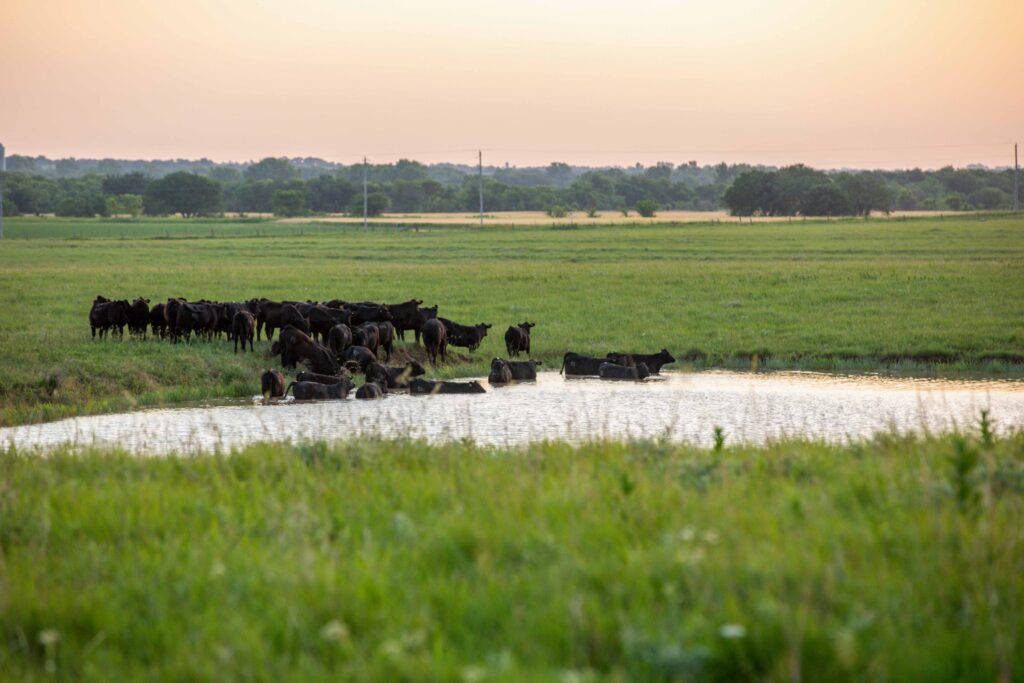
[869, 83]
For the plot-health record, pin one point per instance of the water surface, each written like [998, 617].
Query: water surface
[751, 408]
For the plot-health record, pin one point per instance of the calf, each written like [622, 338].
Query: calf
[368, 335]
[613, 371]
[517, 338]
[654, 361]
[272, 384]
[425, 387]
[386, 337]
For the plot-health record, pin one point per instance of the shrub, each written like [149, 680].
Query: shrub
[647, 207]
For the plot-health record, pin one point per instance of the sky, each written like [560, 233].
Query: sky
[859, 84]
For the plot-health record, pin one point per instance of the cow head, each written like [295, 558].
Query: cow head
[525, 326]
[666, 357]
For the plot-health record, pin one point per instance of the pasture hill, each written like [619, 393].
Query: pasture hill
[922, 295]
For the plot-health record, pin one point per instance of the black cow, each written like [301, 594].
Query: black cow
[117, 316]
[272, 383]
[614, 371]
[468, 336]
[424, 314]
[426, 387]
[98, 316]
[243, 329]
[370, 390]
[323, 319]
[405, 316]
[435, 340]
[198, 318]
[339, 339]
[369, 312]
[368, 335]
[295, 345]
[517, 339]
[500, 372]
[654, 361]
[360, 356]
[523, 370]
[171, 316]
[157, 321]
[311, 391]
[386, 337]
[575, 364]
[138, 317]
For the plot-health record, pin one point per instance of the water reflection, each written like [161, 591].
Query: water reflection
[751, 408]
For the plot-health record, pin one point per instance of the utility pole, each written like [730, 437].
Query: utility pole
[1017, 182]
[365, 203]
[3, 169]
[480, 175]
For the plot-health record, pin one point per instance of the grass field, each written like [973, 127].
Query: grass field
[842, 295]
[899, 559]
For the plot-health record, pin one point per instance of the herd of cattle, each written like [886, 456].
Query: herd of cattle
[337, 339]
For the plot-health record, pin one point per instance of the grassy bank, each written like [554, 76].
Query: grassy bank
[916, 294]
[893, 560]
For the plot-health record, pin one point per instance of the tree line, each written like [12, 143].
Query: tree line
[286, 188]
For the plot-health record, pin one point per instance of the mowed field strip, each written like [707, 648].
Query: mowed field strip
[840, 295]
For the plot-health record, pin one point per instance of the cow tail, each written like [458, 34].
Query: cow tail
[287, 389]
[563, 364]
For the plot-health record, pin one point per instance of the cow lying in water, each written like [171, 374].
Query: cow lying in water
[575, 364]
[370, 390]
[309, 391]
[654, 361]
[505, 371]
[392, 377]
[424, 387]
[272, 384]
[613, 371]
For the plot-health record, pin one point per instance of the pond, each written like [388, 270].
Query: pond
[751, 408]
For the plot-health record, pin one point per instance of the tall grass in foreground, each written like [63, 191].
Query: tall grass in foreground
[897, 559]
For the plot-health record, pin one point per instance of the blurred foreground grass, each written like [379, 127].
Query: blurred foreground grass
[896, 559]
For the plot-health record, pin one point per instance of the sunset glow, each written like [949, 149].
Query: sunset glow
[860, 84]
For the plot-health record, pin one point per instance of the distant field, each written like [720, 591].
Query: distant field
[898, 559]
[878, 294]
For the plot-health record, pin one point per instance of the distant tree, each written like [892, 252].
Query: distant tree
[67, 167]
[226, 174]
[125, 204]
[955, 202]
[272, 168]
[647, 207]
[186, 193]
[557, 211]
[129, 183]
[108, 167]
[19, 163]
[661, 171]
[906, 200]
[330, 194]
[866, 192]
[592, 213]
[256, 195]
[289, 203]
[825, 200]
[31, 194]
[751, 193]
[990, 198]
[10, 208]
[376, 204]
[82, 206]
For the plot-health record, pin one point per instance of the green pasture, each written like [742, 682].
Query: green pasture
[924, 295]
[898, 559]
